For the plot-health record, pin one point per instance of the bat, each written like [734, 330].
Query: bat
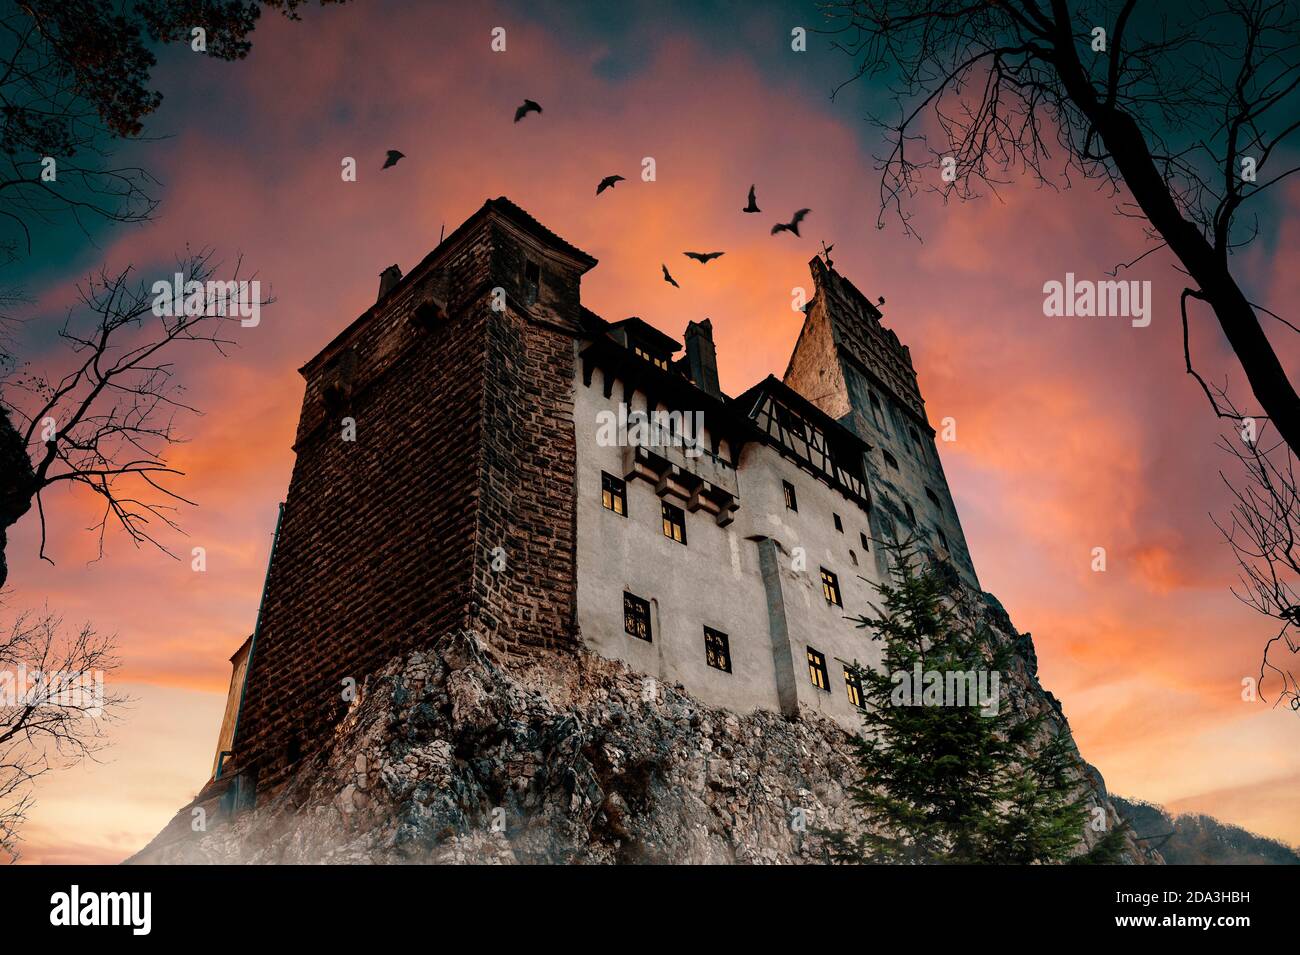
[528, 107]
[393, 156]
[702, 257]
[669, 279]
[608, 183]
[793, 224]
[753, 205]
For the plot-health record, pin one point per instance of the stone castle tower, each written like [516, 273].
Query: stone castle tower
[450, 475]
[857, 371]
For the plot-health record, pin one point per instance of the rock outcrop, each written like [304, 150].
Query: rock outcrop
[451, 755]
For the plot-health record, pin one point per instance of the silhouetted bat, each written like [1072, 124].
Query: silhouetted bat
[753, 205]
[528, 107]
[669, 279]
[793, 224]
[608, 183]
[393, 156]
[702, 257]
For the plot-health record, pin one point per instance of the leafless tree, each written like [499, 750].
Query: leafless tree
[1263, 529]
[106, 423]
[1189, 114]
[54, 708]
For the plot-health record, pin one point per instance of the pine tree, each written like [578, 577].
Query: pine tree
[973, 783]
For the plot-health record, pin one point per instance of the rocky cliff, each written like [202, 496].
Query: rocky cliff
[453, 755]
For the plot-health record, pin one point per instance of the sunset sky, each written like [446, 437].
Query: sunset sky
[1073, 433]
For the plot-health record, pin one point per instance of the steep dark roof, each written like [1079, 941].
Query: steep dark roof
[649, 334]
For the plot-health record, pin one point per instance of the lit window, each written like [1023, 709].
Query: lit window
[853, 686]
[817, 670]
[890, 459]
[613, 494]
[839, 525]
[717, 650]
[653, 359]
[674, 523]
[791, 501]
[831, 588]
[636, 616]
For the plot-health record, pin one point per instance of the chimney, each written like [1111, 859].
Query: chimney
[388, 280]
[702, 357]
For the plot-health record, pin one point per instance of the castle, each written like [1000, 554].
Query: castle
[455, 469]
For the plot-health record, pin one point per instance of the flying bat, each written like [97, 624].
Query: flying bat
[608, 183]
[669, 279]
[792, 225]
[753, 204]
[393, 156]
[703, 257]
[528, 107]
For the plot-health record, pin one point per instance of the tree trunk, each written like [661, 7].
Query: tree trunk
[17, 483]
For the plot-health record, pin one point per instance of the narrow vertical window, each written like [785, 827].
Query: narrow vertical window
[636, 617]
[876, 411]
[532, 282]
[817, 670]
[942, 539]
[674, 523]
[717, 649]
[831, 588]
[863, 537]
[791, 501]
[839, 525]
[613, 494]
[911, 514]
[853, 686]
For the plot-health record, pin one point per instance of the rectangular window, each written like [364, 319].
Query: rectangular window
[636, 617]
[532, 282]
[613, 494]
[817, 670]
[717, 650]
[791, 502]
[876, 411]
[839, 525]
[831, 588]
[853, 686]
[674, 523]
[866, 545]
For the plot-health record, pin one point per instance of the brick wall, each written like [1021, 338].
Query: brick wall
[464, 442]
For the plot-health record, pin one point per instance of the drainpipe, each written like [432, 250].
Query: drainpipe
[252, 645]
